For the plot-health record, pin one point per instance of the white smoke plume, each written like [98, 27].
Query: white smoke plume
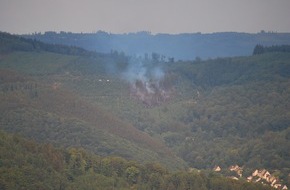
[146, 80]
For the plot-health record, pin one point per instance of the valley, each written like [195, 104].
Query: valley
[184, 114]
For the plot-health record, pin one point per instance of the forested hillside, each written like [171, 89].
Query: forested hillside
[183, 114]
[25, 164]
[36, 101]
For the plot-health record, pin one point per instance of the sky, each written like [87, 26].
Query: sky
[155, 16]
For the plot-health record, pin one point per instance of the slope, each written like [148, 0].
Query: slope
[223, 111]
[25, 164]
[35, 103]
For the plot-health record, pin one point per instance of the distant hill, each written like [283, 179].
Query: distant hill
[10, 43]
[179, 46]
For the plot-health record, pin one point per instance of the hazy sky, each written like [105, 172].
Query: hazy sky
[156, 16]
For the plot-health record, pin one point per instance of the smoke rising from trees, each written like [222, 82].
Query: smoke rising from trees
[147, 81]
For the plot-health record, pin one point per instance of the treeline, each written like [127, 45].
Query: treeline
[260, 49]
[25, 164]
[10, 43]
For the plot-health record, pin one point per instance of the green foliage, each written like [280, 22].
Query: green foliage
[224, 111]
[132, 174]
[28, 165]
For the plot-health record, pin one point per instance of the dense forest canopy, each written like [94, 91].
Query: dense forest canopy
[137, 111]
[28, 165]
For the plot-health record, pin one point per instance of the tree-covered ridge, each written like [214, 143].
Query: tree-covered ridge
[25, 164]
[9, 43]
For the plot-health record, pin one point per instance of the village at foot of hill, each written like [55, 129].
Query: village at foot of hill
[258, 176]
